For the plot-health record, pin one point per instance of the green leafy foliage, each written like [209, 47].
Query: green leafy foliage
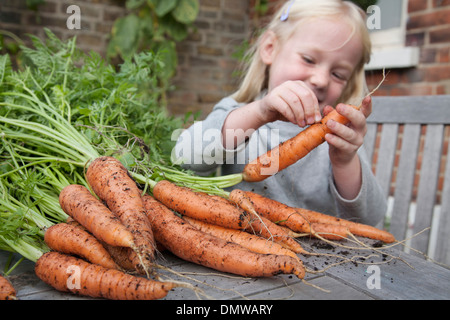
[59, 110]
[153, 25]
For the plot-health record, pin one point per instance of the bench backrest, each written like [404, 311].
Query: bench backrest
[408, 141]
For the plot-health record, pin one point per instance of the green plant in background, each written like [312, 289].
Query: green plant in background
[153, 25]
[364, 4]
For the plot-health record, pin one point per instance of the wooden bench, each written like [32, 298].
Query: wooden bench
[408, 141]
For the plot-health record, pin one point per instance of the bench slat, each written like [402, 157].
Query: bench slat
[442, 253]
[411, 109]
[405, 181]
[370, 139]
[429, 175]
[386, 156]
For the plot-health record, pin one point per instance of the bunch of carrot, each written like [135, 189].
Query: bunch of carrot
[103, 241]
[114, 230]
[117, 228]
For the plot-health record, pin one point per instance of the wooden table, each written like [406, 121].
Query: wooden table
[387, 274]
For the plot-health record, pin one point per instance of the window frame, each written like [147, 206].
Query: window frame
[388, 46]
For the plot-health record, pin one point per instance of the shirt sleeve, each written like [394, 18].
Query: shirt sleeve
[199, 148]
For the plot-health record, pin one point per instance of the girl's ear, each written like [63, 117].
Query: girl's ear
[268, 46]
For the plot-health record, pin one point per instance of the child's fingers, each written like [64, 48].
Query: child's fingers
[356, 117]
[345, 133]
[366, 106]
[310, 103]
[294, 106]
[293, 101]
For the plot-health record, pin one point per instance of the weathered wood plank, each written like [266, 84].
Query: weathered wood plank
[328, 288]
[405, 181]
[370, 139]
[411, 109]
[442, 253]
[427, 186]
[401, 276]
[386, 156]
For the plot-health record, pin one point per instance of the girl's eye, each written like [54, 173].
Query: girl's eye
[340, 76]
[308, 60]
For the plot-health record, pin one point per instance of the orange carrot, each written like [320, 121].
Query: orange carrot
[70, 239]
[199, 206]
[252, 242]
[355, 228]
[265, 228]
[78, 202]
[191, 244]
[328, 231]
[289, 152]
[302, 220]
[69, 274]
[219, 211]
[125, 257]
[282, 215]
[7, 291]
[112, 183]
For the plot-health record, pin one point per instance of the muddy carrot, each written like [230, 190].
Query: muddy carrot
[70, 239]
[290, 151]
[78, 202]
[221, 212]
[191, 244]
[355, 228]
[112, 183]
[289, 217]
[125, 257]
[69, 274]
[252, 242]
[302, 220]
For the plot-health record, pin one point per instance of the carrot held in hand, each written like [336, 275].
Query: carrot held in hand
[111, 182]
[191, 244]
[69, 274]
[70, 239]
[7, 291]
[290, 151]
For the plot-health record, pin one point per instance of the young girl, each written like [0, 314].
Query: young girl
[310, 58]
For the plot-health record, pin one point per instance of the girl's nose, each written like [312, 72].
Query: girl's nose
[319, 79]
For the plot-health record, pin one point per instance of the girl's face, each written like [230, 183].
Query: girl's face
[322, 54]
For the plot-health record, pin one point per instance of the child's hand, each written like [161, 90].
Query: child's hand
[292, 101]
[345, 140]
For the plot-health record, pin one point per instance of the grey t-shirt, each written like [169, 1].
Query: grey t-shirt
[306, 184]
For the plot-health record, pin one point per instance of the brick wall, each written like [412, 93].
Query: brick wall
[97, 18]
[206, 66]
[428, 27]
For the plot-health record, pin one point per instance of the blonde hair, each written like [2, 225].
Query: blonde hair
[256, 72]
